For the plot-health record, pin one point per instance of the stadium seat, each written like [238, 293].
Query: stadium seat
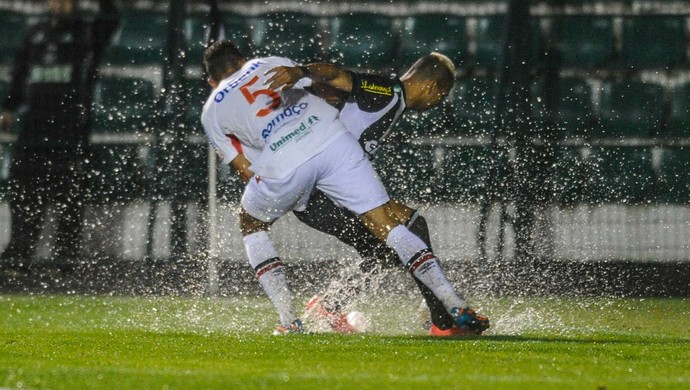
[435, 122]
[653, 41]
[621, 175]
[291, 34]
[425, 33]
[679, 115]
[583, 41]
[189, 166]
[13, 26]
[124, 104]
[363, 40]
[490, 40]
[474, 106]
[464, 173]
[569, 176]
[198, 91]
[573, 111]
[407, 171]
[490, 36]
[630, 108]
[118, 173]
[141, 39]
[196, 30]
[673, 175]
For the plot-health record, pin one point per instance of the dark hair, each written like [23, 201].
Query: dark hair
[219, 57]
[435, 67]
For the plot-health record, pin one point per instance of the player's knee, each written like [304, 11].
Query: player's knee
[380, 221]
[250, 225]
[401, 212]
[418, 225]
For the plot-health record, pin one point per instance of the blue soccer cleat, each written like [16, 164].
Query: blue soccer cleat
[468, 321]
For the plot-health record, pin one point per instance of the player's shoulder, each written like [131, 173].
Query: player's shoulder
[375, 84]
[211, 105]
[277, 61]
[206, 111]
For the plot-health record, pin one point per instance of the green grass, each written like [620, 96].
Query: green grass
[115, 342]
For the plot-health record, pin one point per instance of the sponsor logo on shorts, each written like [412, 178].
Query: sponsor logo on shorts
[375, 88]
[296, 134]
[294, 110]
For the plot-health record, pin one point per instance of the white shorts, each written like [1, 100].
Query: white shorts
[341, 171]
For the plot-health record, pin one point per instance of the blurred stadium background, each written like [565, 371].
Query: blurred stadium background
[558, 164]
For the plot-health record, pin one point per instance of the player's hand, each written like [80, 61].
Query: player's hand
[284, 77]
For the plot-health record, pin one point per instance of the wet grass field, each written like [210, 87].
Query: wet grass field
[76, 342]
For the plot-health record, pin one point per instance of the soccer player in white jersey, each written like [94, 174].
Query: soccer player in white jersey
[292, 142]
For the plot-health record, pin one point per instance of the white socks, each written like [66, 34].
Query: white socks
[269, 270]
[422, 263]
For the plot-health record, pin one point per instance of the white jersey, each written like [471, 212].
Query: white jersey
[277, 131]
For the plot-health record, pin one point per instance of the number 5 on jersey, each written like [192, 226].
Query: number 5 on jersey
[252, 95]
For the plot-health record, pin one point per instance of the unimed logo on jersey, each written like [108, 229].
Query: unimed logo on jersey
[303, 129]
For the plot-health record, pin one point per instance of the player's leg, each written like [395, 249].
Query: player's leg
[415, 254]
[264, 201]
[268, 267]
[422, 263]
[440, 318]
[352, 182]
[324, 215]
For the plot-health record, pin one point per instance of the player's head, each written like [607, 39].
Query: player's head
[428, 81]
[221, 59]
[61, 7]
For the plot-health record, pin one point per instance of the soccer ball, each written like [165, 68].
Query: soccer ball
[358, 321]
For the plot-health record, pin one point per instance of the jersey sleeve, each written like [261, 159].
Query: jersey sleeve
[372, 109]
[226, 146]
[372, 92]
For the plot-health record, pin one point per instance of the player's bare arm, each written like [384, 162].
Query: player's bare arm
[241, 165]
[285, 77]
[380, 220]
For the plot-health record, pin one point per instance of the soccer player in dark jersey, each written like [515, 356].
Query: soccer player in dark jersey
[370, 105]
[54, 76]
